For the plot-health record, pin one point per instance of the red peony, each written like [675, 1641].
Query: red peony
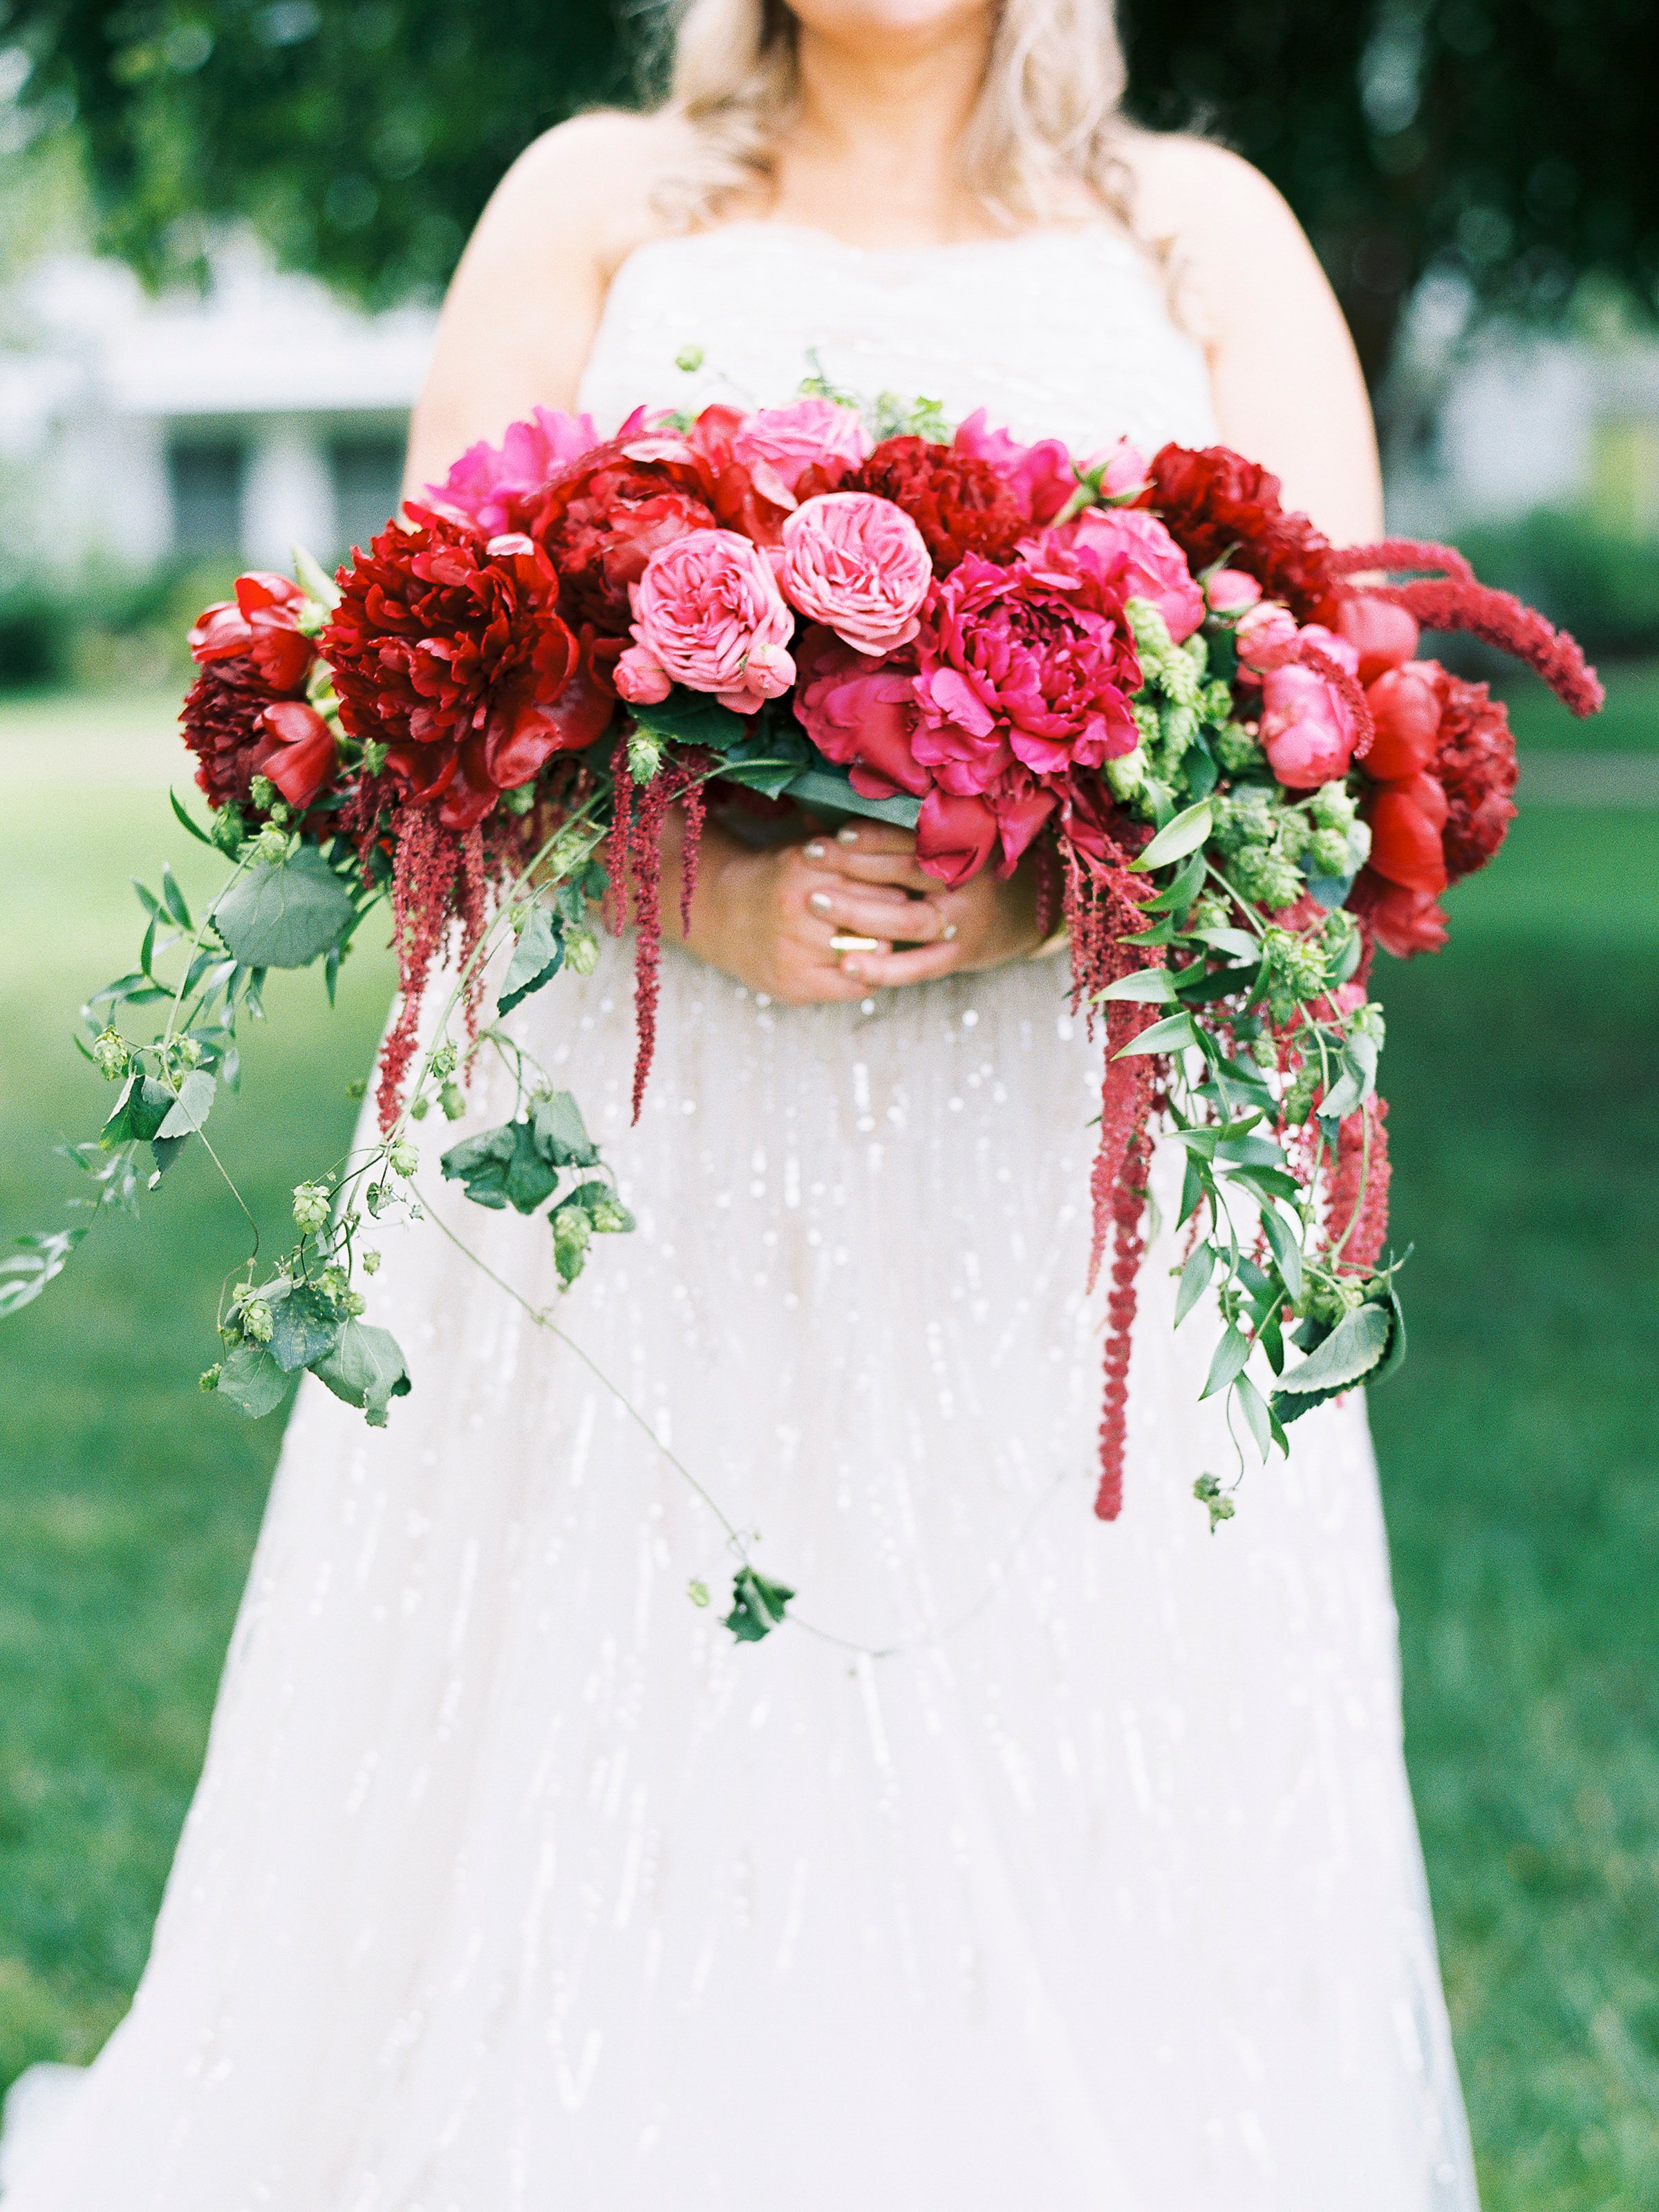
[960, 503]
[1403, 921]
[1406, 818]
[449, 649]
[603, 518]
[245, 714]
[1217, 505]
[1475, 762]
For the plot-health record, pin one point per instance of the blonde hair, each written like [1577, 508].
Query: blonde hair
[1047, 115]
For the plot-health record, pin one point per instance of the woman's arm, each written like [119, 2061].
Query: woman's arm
[1287, 384]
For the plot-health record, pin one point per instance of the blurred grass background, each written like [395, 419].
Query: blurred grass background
[1518, 1445]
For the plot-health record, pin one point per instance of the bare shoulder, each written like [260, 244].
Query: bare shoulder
[590, 183]
[1211, 204]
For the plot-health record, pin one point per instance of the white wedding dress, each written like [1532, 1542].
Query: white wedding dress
[514, 1884]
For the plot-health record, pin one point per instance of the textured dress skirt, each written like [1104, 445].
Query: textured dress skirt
[1039, 1860]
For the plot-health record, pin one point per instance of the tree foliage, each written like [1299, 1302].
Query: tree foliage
[1509, 138]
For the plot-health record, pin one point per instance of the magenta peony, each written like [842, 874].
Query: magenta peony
[1041, 476]
[497, 487]
[708, 613]
[1307, 727]
[858, 565]
[1154, 566]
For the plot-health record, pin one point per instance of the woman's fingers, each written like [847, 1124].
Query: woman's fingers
[885, 969]
[875, 853]
[877, 913]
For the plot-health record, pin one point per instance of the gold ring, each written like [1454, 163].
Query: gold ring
[840, 944]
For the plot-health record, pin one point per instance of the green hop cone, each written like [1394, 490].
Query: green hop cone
[111, 1055]
[1265, 878]
[1127, 773]
[1210, 1494]
[1294, 835]
[1293, 968]
[442, 1061]
[209, 1378]
[1332, 808]
[1328, 852]
[227, 831]
[611, 1216]
[644, 755]
[573, 1232]
[270, 846]
[689, 361]
[371, 1261]
[581, 951]
[519, 799]
[1242, 822]
[1236, 749]
[256, 1322]
[332, 1283]
[1299, 1094]
[263, 792]
[313, 1204]
[403, 1157]
[453, 1099]
[1367, 1021]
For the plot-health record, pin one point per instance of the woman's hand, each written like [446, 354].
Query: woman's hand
[769, 918]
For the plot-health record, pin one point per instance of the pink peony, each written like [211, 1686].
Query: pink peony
[1154, 567]
[1267, 637]
[1307, 730]
[1231, 592]
[858, 565]
[708, 613]
[1041, 476]
[496, 486]
[1027, 665]
[806, 433]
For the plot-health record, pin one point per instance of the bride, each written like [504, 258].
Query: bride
[1044, 1862]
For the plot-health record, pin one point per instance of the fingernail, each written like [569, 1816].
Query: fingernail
[847, 835]
[815, 851]
[854, 968]
[948, 932]
[822, 900]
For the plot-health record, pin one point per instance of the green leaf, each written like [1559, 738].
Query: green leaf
[190, 1108]
[1221, 983]
[823, 791]
[1145, 987]
[610, 1217]
[1265, 1182]
[313, 579]
[26, 1274]
[1352, 1349]
[1193, 1184]
[770, 760]
[1171, 1034]
[758, 1606]
[1257, 1415]
[284, 914]
[174, 898]
[537, 958]
[143, 1107]
[1195, 1280]
[561, 1132]
[1286, 1250]
[1250, 1152]
[252, 1380]
[1237, 944]
[304, 1326]
[1180, 895]
[185, 821]
[1231, 1355]
[1395, 1355]
[365, 1368]
[691, 718]
[1177, 838]
[502, 1167]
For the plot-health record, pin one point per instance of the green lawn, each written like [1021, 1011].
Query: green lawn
[1518, 1446]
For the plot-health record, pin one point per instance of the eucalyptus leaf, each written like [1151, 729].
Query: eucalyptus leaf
[174, 898]
[537, 959]
[367, 1369]
[285, 914]
[1254, 1406]
[252, 1380]
[1177, 838]
[1179, 895]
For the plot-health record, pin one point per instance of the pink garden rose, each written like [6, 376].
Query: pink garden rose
[708, 613]
[1025, 665]
[1154, 568]
[1231, 592]
[1307, 730]
[858, 565]
[1041, 476]
[806, 433]
[494, 486]
[1122, 469]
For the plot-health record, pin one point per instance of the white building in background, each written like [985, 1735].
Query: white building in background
[265, 414]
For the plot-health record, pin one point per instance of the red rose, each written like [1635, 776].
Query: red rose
[603, 518]
[1403, 921]
[1217, 505]
[960, 503]
[262, 624]
[451, 651]
[1475, 762]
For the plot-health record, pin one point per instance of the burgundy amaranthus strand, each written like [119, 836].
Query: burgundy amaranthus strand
[1456, 600]
[425, 859]
[1359, 1188]
[1128, 1215]
[1347, 688]
[636, 842]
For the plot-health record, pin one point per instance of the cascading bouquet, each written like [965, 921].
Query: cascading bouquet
[1206, 728]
